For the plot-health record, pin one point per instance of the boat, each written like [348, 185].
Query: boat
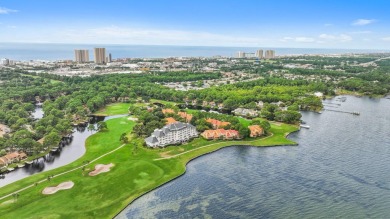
[28, 162]
[10, 169]
[54, 149]
[304, 126]
[21, 165]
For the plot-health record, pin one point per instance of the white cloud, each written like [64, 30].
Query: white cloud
[125, 35]
[386, 38]
[298, 39]
[361, 32]
[340, 38]
[7, 10]
[363, 22]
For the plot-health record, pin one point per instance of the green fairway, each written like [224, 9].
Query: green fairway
[133, 174]
[162, 101]
[114, 109]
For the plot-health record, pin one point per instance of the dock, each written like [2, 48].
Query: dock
[340, 111]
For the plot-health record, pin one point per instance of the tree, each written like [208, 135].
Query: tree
[102, 126]
[52, 139]
[124, 139]
[91, 127]
[265, 125]
[244, 131]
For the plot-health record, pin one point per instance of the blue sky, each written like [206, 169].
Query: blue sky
[268, 23]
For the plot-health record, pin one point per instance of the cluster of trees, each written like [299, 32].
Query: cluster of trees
[199, 121]
[273, 112]
[70, 100]
[148, 120]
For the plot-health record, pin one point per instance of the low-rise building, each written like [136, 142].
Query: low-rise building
[256, 131]
[187, 117]
[11, 158]
[174, 133]
[245, 112]
[168, 111]
[220, 134]
[217, 124]
[170, 120]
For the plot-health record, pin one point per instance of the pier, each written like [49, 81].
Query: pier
[340, 111]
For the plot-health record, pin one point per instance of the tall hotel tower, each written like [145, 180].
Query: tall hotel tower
[259, 53]
[81, 55]
[100, 55]
[270, 54]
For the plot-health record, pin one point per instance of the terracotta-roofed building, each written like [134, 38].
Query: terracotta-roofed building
[217, 124]
[220, 134]
[187, 117]
[11, 158]
[23, 156]
[256, 131]
[170, 120]
[3, 162]
[167, 111]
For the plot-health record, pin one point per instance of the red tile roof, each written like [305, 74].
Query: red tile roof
[216, 134]
[217, 124]
[166, 111]
[170, 120]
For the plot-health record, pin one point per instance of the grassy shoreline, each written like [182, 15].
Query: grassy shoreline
[133, 175]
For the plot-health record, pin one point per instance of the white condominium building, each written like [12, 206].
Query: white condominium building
[174, 133]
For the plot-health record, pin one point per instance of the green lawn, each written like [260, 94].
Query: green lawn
[35, 76]
[162, 101]
[116, 109]
[134, 174]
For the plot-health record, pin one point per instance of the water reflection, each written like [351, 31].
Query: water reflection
[70, 149]
[339, 170]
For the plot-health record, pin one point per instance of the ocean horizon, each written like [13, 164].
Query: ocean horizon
[59, 51]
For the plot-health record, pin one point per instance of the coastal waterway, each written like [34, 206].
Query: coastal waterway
[71, 150]
[338, 170]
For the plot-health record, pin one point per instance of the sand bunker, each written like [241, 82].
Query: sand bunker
[132, 119]
[101, 168]
[61, 186]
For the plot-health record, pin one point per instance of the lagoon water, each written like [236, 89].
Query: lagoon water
[51, 52]
[339, 170]
[69, 152]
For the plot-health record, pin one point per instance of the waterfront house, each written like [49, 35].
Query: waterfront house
[3, 163]
[245, 112]
[256, 131]
[174, 133]
[168, 111]
[220, 134]
[187, 117]
[217, 124]
[12, 158]
[260, 104]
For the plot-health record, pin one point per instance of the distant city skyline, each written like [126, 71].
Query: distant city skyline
[253, 23]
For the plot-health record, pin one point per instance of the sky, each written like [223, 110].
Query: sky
[343, 24]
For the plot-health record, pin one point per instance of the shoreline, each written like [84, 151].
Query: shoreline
[194, 158]
[181, 162]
